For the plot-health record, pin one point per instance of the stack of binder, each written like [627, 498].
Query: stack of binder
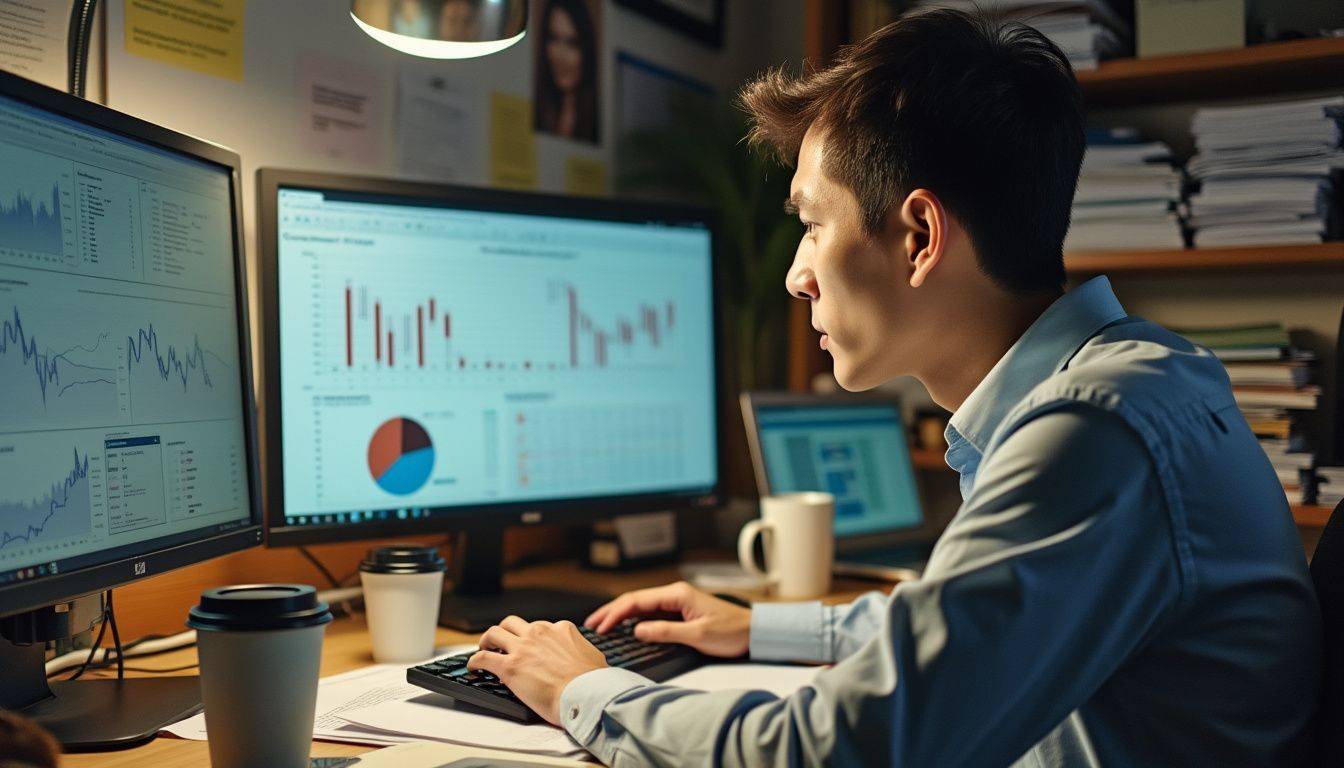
[1268, 174]
[1128, 195]
[1272, 383]
[1329, 486]
[1087, 31]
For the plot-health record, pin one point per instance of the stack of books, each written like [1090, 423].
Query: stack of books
[1128, 195]
[1087, 31]
[1272, 383]
[1268, 174]
[1329, 486]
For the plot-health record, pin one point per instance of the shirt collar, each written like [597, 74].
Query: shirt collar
[1044, 350]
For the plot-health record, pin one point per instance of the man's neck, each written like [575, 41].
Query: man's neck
[982, 337]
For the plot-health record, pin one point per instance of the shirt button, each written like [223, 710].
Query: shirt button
[573, 713]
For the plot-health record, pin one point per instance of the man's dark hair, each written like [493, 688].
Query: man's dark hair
[985, 114]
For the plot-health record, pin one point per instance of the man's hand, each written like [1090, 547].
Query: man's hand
[712, 626]
[536, 660]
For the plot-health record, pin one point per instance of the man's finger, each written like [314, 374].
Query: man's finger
[499, 638]
[487, 660]
[665, 631]
[514, 624]
[642, 602]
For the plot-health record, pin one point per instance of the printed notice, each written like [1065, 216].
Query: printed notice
[32, 40]
[432, 115]
[513, 145]
[340, 107]
[201, 35]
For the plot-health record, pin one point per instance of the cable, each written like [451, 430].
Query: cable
[148, 670]
[98, 641]
[154, 644]
[116, 637]
[77, 42]
[332, 580]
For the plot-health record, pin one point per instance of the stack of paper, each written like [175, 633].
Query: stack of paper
[1087, 31]
[1329, 486]
[375, 705]
[1268, 174]
[1271, 381]
[1128, 193]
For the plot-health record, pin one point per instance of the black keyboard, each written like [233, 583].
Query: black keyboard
[450, 676]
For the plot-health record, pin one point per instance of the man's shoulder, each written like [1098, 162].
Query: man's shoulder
[1136, 364]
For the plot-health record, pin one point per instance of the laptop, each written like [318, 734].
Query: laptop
[855, 448]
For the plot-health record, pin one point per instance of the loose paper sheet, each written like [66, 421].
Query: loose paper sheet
[340, 101]
[32, 40]
[202, 35]
[431, 125]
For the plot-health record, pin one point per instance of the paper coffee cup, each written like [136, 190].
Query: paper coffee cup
[260, 647]
[403, 585]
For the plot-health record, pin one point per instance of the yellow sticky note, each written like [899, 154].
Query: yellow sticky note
[202, 35]
[513, 145]
[585, 176]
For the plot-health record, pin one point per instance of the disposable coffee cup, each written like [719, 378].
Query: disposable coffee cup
[260, 647]
[403, 585]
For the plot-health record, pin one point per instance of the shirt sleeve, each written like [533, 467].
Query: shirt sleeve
[977, 661]
[812, 631]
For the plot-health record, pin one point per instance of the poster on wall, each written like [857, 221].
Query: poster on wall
[32, 40]
[650, 97]
[698, 19]
[433, 112]
[567, 50]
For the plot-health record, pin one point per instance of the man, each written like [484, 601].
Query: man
[1123, 584]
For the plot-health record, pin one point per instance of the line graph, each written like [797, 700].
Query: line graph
[170, 365]
[63, 512]
[42, 383]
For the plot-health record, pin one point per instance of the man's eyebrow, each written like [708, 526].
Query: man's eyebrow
[792, 204]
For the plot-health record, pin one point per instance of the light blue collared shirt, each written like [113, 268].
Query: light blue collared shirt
[1123, 585]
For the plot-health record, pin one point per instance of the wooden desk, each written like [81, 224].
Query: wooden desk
[347, 647]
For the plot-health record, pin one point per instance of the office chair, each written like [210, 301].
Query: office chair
[1327, 573]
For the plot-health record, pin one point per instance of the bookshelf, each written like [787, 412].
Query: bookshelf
[1311, 515]
[928, 459]
[1324, 255]
[1256, 70]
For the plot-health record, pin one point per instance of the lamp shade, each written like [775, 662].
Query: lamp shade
[443, 29]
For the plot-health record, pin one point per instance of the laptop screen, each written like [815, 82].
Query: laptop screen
[858, 453]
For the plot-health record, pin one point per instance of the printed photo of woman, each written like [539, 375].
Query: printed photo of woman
[567, 52]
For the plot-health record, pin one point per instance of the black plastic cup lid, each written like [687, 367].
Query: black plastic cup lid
[255, 607]
[403, 558]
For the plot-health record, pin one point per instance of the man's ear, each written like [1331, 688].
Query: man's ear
[926, 230]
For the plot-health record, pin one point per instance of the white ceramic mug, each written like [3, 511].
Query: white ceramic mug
[799, 543]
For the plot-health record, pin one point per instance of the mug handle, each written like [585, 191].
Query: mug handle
[745, 541]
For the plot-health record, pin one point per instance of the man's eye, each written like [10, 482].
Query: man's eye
[808, 227]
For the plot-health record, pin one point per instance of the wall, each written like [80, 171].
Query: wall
[259, 118]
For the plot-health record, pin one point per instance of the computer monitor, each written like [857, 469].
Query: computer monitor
[127, 428]
[445, 358]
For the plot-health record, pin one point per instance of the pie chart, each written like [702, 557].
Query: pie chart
[401, 456]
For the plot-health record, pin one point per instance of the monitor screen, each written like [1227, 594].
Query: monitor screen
[436, 360]
[858, 453]
[122, 430]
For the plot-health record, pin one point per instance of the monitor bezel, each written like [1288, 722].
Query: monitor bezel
[928, 529]
[468, 516]
[48, 590]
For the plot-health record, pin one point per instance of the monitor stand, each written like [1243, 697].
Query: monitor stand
[85, 715]
[480, 599]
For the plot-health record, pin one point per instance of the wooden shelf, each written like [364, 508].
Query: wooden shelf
[928, 458]
[1311, 515]
[1256, 70]
[1254, 257]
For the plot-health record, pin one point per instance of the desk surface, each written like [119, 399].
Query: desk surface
[347, 647]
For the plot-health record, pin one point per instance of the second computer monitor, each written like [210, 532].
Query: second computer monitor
[441, 357]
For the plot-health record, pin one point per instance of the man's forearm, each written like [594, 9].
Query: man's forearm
[812, 631]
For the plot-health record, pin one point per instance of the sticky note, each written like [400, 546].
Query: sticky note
[513, 145]
[201, 35]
